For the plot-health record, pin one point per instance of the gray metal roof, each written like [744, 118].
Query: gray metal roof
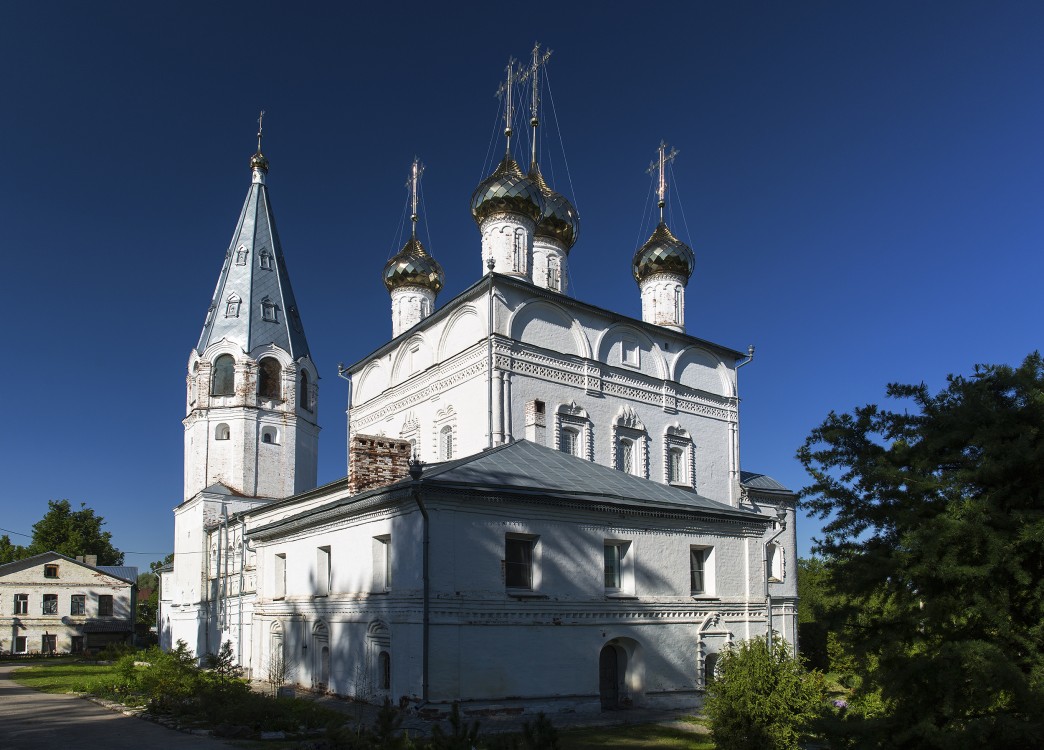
[757, 481]
[126, 572]
[253, 285]
[526, 466]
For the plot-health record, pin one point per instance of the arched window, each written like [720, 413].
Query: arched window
[425, 307]
[222, 432]
[446, 443]
[384, 671]
[519, 254]
[679, 307]
[268, 385]
[554, 279]
[306, 393]
[223, 380]
[270, 436]
[265, 260]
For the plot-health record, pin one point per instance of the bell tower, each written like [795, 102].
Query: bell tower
[252, 386]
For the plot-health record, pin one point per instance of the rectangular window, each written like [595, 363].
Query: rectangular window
[382, 563]
[50, 571]
[518, 563]
[78, 604]
[49, 644]
[20, 644]
[676, 466]
[699, 575]
[630, 352]
[50, 604]
[104, 605]
[77, 644]
[21, 604]
[625, 456]
[322, 571]
[279, 577]
[613, 558]
[570, 442]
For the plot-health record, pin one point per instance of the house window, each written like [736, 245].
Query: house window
[222, 432]
[676, 466]
[21, 604]
[78, 604]
[701, 571]
[625, 456]
[20, 644]
[77, 644]
[50, 604]
[518, 562]
[382, 563]
[612, 565]
[279, 577]
[446, 443]
[223, 380]
[104, 605]
[619, 572]
[50, 571]
[48, 644]
[569, 441]
[322, 571]
[384, 671]
[264, 259]
[269, 378]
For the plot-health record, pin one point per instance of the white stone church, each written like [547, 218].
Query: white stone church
[575, 532]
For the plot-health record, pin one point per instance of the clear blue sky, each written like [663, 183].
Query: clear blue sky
[863, 184]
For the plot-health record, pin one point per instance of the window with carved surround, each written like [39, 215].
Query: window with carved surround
[265, 259]
[679, 457]
[410, 432]
[630, 443]
[573, 432]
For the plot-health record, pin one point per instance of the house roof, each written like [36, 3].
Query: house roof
[762, 482]
[107, 626]
[523, 468]
[123, 572]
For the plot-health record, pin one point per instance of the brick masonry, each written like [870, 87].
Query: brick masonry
[376, 461]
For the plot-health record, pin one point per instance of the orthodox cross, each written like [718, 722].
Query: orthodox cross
[259, 119]
[660, 166]
[505, 92]
[415, 173]
[534, 73]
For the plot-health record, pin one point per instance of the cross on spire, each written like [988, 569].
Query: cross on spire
[260, 118]
[660, 166]
[415, 174]
[534, 72]
[505, 91]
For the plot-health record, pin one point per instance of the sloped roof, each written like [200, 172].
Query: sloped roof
[126, 573]
[522, 468]
[762, 482]
[251, 284]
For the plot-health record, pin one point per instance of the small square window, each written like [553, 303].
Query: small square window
[50, 571]
[105, 605]
[50, 604]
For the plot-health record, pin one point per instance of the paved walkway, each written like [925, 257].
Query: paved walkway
[30, 720]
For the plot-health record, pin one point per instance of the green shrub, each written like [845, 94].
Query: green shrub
[762, 698]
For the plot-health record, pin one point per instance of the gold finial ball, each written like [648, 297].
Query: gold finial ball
[258, 161]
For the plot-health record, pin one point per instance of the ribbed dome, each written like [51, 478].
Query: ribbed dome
[559, 219]
[412, 266]
[663, 253]
[507, 189]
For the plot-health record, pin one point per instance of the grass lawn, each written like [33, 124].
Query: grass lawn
[64, 676]
[638, 736]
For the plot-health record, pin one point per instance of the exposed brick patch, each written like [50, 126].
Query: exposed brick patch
[376, 461]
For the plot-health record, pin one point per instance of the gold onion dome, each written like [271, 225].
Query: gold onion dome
[559, 220]
[663, 253]
[507, 190]
[258, 161]
[412, 266]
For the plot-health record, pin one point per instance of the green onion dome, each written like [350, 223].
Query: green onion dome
[412, 266]
[559, 219]
[663, 253]
[507, 190]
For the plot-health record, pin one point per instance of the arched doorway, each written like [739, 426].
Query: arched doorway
[612, 664]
